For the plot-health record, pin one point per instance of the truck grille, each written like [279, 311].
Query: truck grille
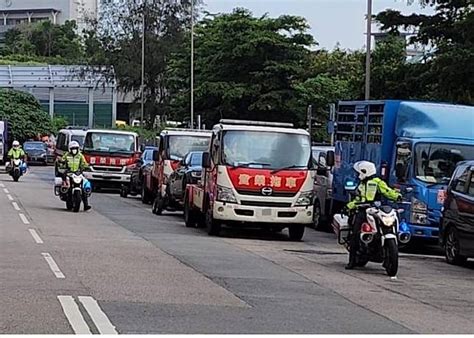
[107, 169]
[266, 204]
[274, 194]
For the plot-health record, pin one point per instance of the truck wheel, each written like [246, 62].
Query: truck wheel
[146, 198]
[190, 215]
[451, 248]
[124, 192]
[213, 226]
[391, 257]
[296, 232]
[317, 222]
[158, 205]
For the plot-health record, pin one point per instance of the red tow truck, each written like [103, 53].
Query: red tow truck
[256, 174]
[173, 146]
[112, 155]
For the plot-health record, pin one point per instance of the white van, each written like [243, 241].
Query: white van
[67, 135]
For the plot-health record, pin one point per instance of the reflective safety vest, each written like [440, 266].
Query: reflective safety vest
[371, 190]
[74, 163]
[16, 153]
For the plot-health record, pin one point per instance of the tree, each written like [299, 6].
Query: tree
[450, 34]
[246, 67]
[24, 112]
[114, 44]
[45, 40]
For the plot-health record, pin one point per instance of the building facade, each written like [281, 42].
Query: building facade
[17, 12]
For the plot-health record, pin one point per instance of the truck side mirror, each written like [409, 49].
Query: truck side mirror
[156, 155]
[206, 160]
[330, 158]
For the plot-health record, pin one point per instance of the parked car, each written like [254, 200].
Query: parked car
[323, 186]
[189, 172]
[36, 152]
[146, 160]
[456, 231]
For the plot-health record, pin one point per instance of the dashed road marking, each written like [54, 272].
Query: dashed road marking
[5, 190]
[24, 219]
[73, 315]
[10, 197]
[35, 236]
[99, 318]
[2, 185]
[53, 266]
[15, 206]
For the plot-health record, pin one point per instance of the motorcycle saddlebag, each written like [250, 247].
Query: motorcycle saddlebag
[340, 225]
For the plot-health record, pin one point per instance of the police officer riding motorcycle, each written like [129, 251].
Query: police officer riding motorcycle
[17, 161]
[369, 190]
[73, 161]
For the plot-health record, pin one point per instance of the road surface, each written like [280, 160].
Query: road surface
[121, 269]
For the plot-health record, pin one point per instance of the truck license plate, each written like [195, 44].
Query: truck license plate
[266, 212]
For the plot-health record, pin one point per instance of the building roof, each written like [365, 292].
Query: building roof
[31, 10]
[73, 76]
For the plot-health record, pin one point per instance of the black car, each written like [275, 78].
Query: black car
[457, 223]
[36, 152]
[189, 172]
[146, 160]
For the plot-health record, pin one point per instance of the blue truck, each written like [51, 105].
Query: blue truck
[415, 145]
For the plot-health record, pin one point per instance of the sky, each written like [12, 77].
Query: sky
[331, 21]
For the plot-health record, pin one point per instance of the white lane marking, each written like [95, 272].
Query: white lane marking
[99, 318]
[24, 219]
[73, 315]
[5, 190]
[15, 206]
[10, 197]
[2, 185]
[35, 236]
[53, 266]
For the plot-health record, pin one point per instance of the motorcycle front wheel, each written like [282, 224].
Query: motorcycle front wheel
[76, 201]
[391, 257]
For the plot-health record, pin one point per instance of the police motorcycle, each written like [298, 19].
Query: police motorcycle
[16, 168]
[379, 236]
[72, 189]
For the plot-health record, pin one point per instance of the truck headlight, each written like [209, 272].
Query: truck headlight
[225, 195]
[196, 174]
[305, 199]
[418, 214]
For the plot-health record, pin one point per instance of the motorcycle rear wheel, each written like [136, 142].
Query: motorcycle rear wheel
[391, 257]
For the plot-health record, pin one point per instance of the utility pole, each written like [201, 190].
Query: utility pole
[369, 42]
[142, 87]
[310, 120]
[192, 64]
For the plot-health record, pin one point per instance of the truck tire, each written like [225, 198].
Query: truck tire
[213, 226]
[190, 214]
[146, 198]
[451, 248]
[158, 205]
[391, 257]
[124, 192]
[296, 232]
[317, 222]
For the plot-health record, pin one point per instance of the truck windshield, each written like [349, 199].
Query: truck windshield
[268, 150]
[78, 138]
[435, 163]
[180, 146]
[109, 142]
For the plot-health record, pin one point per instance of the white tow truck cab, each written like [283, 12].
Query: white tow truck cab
[256, 174]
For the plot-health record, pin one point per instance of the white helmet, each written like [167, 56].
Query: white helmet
[16, 144]
[365, 169]
[74, 145]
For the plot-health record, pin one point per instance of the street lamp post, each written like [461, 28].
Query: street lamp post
[142, 87]
[369, 42]
[192, 64]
